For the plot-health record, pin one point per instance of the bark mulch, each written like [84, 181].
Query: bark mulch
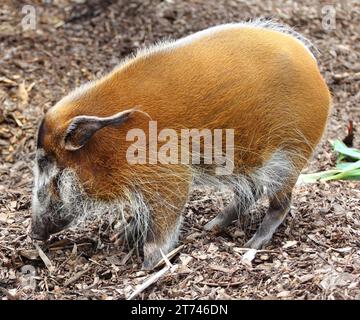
[314, 254]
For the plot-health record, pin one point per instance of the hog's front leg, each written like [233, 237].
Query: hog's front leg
[159, 239]
[166, 218]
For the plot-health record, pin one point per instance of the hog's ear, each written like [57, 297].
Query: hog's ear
[82, 128]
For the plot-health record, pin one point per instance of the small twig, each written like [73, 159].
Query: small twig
[127, 257]
[98, 263]
[70, 246]
[222, 284]
[169, 256]
[95, 282]
[261, 250]
[153, 278]
[75, 277]
[6, 247]
[324, 244]
[44, 258]
[222, 269]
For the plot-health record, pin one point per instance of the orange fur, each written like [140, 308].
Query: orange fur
[262, 83]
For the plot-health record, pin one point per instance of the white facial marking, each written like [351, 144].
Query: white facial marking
[44, 172]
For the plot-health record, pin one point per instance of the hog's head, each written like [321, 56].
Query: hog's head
[65, 164]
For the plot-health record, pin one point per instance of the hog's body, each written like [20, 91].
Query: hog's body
[256, 79]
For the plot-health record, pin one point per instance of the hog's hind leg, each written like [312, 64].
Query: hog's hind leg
[278, 209]
[245, 195]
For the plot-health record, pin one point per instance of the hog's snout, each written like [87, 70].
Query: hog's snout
[41, 236]
[42, 227]
[39, 229]
[56, 200]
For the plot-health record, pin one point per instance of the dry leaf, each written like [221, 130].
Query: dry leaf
[30, 254]
[23, 94]
[289, 244]
[248, 257]
[44, 258]
[306, 278]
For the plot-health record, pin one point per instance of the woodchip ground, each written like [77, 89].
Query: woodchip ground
[314, 255]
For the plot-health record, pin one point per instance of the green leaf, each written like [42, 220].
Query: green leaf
[345, 166]
[344, 170]
[345, 175]
[314, 177]
[341, 147]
